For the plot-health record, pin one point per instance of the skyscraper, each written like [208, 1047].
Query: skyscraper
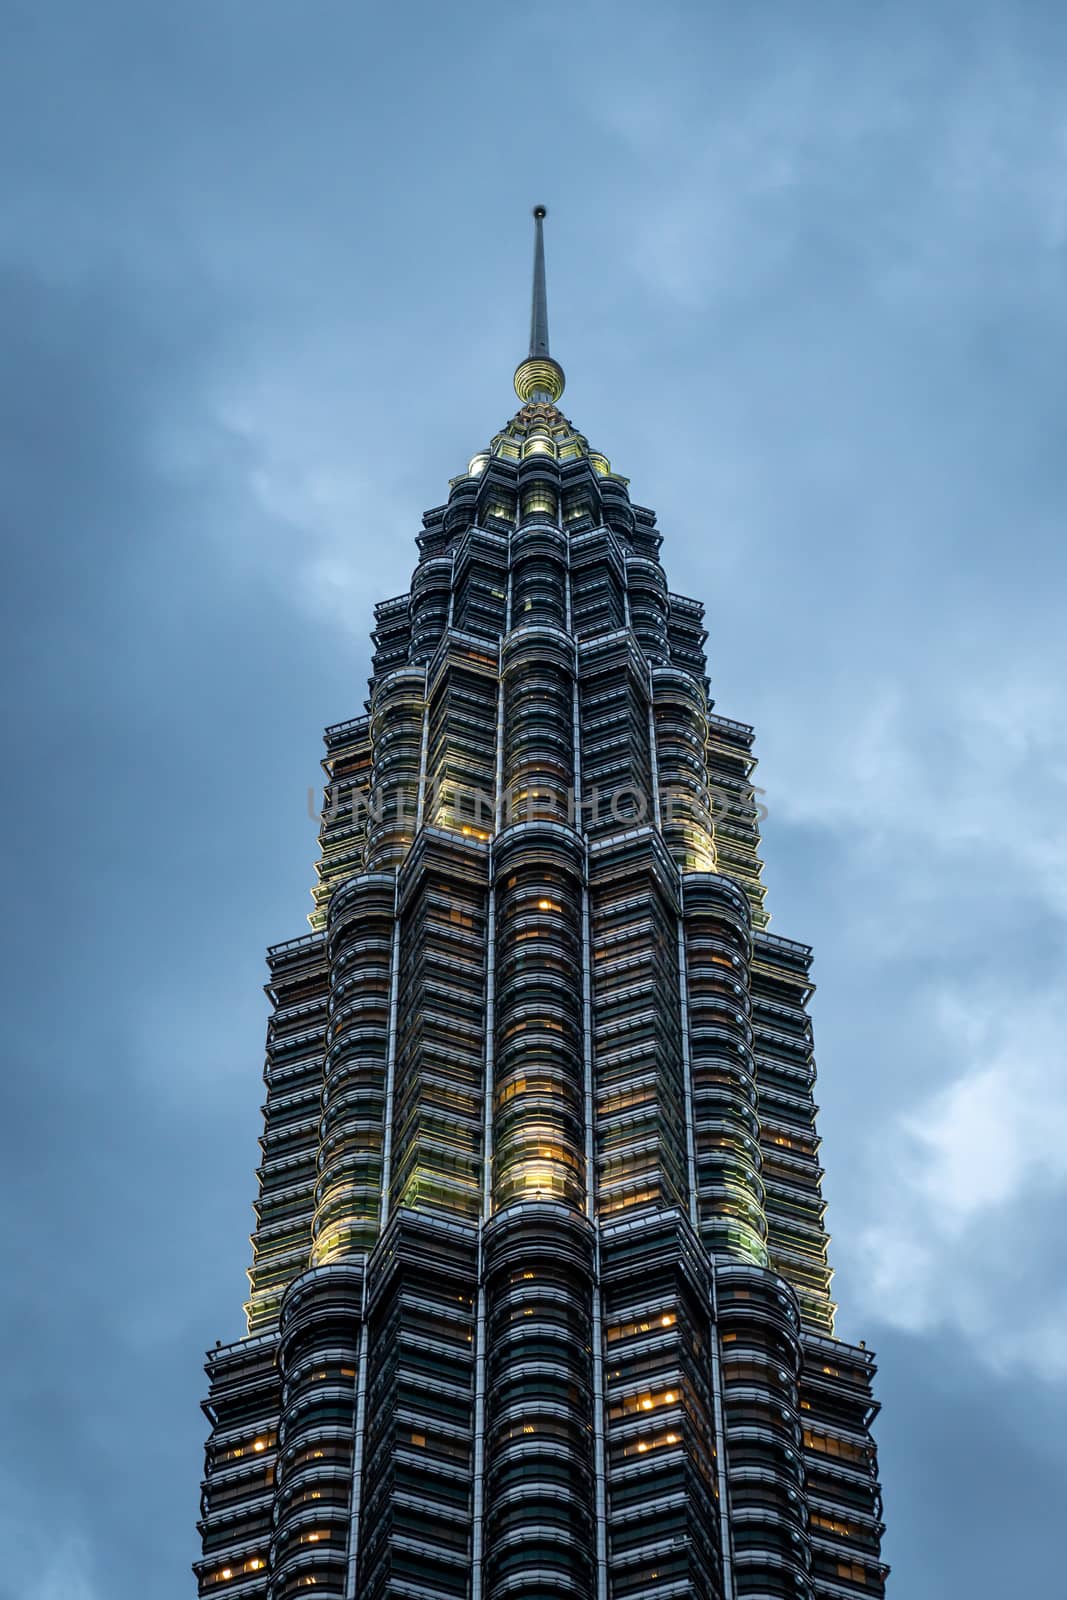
[540, 1304]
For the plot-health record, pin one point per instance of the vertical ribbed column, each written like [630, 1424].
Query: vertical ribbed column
[439, 1076]
[351, 1131]
[785, 1075]
[642, 1156]
[537, 662]
[841, 1467]
[415, 1524]
[319, 1359]
[461, 736]
[239, 1468]
[540, 1526]
[731, 767]
[348, 765]
[600, 1485]
[538, 1247]
[663, 1512]
[397, 709]
[538, 1123]
[293, 1075]
[431, 590]
[538, 575]
[646, 587]
[725, 1123]
[598, 583]
[617, 774]
[759, 1333]
[681, 723]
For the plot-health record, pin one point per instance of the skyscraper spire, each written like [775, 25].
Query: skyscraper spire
[539, 309]
[539, 377]
[540, 1298]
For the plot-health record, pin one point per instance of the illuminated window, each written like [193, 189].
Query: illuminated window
[539, 502]
[846, 1530]
[827, 1445]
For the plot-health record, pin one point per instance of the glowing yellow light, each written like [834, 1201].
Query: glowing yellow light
[669, 1399]
[225, 1573]
[666, 1321]
[672, 1438]
[646, 1405]
[260, 1444]
[642, 1447]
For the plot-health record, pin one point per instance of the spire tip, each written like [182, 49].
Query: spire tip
[540, 212]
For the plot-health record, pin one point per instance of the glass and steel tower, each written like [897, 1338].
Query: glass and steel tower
[540, 1304]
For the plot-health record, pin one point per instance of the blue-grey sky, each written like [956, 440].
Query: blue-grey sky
[263, 282]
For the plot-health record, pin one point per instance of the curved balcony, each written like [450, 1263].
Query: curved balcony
[322, 1298]
[766, 1574]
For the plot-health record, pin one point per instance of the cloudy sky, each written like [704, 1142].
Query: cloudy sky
[263, 282]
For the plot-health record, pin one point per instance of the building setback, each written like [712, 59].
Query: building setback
[540, 1304]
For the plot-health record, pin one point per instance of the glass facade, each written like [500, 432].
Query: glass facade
[540, 1303]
